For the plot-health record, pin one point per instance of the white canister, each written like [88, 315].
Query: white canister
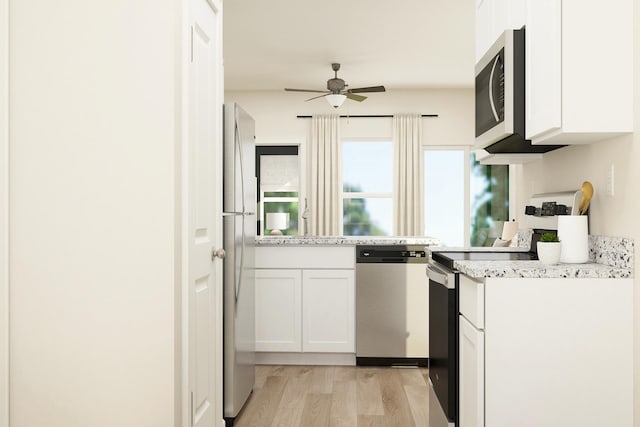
[574, 235]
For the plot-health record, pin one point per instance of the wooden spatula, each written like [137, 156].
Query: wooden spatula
[587, 194]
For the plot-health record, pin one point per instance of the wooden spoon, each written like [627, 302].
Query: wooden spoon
[587, 194]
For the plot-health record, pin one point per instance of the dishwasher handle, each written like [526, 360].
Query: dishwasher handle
[440, 277]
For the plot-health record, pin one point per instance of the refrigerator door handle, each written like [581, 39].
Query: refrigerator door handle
[238, 284]
[238, 145]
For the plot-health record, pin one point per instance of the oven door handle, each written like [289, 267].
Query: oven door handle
[437, 275]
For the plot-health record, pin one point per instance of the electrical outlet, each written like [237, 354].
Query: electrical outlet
[610, 181]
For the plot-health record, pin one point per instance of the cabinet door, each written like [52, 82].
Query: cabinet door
[543, 84]
[493, 17]
[278, 310]
[471, 375]
[328, 301]
[484, 24]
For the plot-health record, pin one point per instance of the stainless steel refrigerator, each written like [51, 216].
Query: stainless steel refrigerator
[239, 274]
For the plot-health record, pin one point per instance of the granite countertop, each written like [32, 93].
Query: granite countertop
[609, 257]
[536, 269]
[341, 240]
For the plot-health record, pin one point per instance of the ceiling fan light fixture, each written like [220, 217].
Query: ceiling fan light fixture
[335, 99]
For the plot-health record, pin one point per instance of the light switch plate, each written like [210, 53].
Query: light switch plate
[610, 181]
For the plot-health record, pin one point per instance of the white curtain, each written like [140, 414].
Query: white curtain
[408, 183]
[326, 176]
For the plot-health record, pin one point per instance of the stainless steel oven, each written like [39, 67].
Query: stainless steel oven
[443, 345]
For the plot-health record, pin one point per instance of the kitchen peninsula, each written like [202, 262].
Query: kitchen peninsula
[306, 296]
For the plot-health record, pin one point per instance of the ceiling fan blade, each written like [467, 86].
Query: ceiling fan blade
[367, 89]
[316, 97]
[355, 97]
[306, 90]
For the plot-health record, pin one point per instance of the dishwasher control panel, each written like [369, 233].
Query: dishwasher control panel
[391, 254]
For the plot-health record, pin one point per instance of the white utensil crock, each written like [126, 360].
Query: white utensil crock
[574, 235]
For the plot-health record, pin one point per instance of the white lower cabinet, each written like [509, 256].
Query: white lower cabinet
[471, 375]
[278, 310]
[328, 311]
[305, 311]
[305, 300]
[551, 352]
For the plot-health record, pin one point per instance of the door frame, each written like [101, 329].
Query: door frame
[182, 395]
[4, 213]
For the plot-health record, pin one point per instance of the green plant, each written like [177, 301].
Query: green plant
[549, 237]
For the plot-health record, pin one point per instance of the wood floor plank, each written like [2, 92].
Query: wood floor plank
[425, 374]
[317, 407]
[418, 397]
[411, 376]
[369, 397]
[261, 408]
[261, 374]
[322, 379]
[292, 396]
[372, 421]
[345, 373]
[394, 400]
[344, 407]
[289, 412]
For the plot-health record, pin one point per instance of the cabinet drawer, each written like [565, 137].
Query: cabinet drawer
[305, 257]
[472, 300]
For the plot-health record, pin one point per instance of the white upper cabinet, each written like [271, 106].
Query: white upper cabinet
[579, 70]
[493, 17]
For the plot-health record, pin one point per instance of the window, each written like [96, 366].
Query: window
[277, 170]
[489, 202]
[444, 190]
[445, 185]
[367, 188]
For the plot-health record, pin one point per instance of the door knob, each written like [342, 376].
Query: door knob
[217, 253]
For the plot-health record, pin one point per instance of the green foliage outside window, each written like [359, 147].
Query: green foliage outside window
[356, 219]
[490, 203]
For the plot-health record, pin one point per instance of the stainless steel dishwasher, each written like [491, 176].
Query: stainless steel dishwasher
[392, 305]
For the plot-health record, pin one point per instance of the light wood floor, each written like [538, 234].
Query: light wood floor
[333, 396]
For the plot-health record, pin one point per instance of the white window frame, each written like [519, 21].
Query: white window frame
[365, 195]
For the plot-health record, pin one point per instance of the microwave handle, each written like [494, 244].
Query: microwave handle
[493, 105]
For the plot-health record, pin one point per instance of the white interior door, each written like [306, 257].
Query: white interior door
[204, 215]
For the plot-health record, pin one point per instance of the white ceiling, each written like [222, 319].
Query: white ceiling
[401, 44]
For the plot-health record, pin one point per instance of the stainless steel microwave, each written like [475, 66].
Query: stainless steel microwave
[500, 98]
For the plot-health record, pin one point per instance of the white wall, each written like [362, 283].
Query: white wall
[4, 213]
[92, 122]
[616, 215]
[275, 113]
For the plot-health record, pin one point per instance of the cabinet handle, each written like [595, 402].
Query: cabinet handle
[437, 276]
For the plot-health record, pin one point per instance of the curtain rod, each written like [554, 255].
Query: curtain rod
[368, 116]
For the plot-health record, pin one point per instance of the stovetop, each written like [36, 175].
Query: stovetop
[448, 258]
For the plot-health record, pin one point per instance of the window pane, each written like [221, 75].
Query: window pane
[367, 166]
[444, 196]
[280, 194]
[279, 171]
[489, 201]
[367, 217]
[291, 207]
